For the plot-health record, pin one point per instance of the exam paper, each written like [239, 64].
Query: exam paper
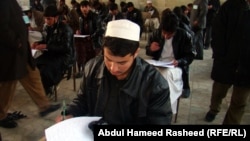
[80, 36]
[160, 63]
[36, 53]
[73, 129]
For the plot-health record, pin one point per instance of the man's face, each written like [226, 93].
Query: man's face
[149, 4]
[167, 35]
[50, 21]
[85, 9]
[118, 66]
[130, 8]
[113, 12]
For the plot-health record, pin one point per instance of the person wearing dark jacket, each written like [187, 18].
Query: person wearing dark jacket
[17, 64]
[89, 47]
[213, 7]
[114, 14]
[171, 43]
[198, 24]
[57, 47]
[119, 86]
[133, 14]
[231, 66]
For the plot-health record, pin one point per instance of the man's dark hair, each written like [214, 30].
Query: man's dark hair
[170, 21]
[85, 3]
[96, 3]
[120, 47]
[130, 4]
[112, 1]
[122, 4]
[113, 6]
[50, 11]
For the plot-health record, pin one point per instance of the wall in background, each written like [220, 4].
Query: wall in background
[159, 4]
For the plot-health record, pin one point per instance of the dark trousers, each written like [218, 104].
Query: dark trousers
[207, 36]
[185, 77]
[237, 105]
[198, 43]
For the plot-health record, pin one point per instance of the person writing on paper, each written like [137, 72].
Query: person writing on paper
[87, 48]
[57, 47]
[171, 44]
[119, 86]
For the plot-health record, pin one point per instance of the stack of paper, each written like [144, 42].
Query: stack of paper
[74, 129]
[160, 63]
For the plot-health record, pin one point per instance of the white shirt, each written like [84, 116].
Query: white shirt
[167, 52]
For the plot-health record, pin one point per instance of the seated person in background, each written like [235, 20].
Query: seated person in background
[171, 44]
[119, 86]
[38, 5]
[35, 23]
[152, 22]
[57, 49]
[133, 14]
[35, 18]
[123, 7]
[114, 14]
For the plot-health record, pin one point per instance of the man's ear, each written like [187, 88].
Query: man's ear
[136, 52]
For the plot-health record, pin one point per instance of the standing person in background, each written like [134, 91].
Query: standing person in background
[198, 24]
[231, 54]
[134, 15]
[119, 86]
[17, 64]
[213, 7]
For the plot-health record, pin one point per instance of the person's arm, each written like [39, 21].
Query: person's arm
[187, 49]
[154, 37]
[159, 111]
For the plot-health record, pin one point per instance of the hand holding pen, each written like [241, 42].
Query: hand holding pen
[63, 115]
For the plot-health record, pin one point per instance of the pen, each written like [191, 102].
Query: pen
[64, 109]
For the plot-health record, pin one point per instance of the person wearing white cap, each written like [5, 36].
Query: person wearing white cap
[119, 86]
[152, 22]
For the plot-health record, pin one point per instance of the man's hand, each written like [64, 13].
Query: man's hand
[154, 46]
[175, 63]
[62, 118]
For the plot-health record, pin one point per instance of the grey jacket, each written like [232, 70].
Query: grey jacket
[199, 13]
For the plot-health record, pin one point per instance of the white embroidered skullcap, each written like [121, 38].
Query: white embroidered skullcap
[124, 29]
[149, 1]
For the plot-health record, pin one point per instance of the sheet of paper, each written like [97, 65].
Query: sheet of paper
[160, 63]
[74, 129]
[36, 53]
[80, 36]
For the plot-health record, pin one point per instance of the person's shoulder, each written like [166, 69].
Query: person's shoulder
[96, 61]
[145, 67]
